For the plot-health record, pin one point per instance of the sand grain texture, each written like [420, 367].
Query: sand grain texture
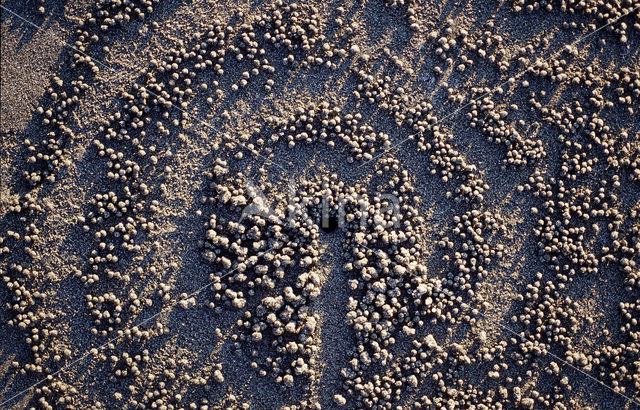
[361, 204]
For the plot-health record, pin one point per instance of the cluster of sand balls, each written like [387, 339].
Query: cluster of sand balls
[258, 255]
[292, 27]
[570, 212]
[458, 49]
[44, 157]
[171, 82]
[582, 201]
[448, 44]
[115, 221]
[392, 293]
[409, 9]
[604, 13]
[47, 155]
[430, 136]
[119, 215]
[563, 229]
[266, 264]
[34, 321]
[493, 120]
[555, 69]
[395, 297]
[626, 85]
[489, 46]
[328, 124]
[107, 15]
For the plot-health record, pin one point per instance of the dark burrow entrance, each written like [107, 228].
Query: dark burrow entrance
[329, 224]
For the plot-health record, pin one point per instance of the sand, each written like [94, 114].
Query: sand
[169, 286]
